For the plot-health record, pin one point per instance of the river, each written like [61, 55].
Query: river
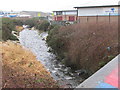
[34, 41]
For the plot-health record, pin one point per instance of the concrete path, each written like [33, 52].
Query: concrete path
[106, 77]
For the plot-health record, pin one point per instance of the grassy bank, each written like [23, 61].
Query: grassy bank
[86, 46]
[22, 70]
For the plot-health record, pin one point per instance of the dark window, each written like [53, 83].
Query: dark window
[59, 13]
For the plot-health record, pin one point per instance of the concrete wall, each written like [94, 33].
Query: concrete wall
[101, 76]
[70, 13]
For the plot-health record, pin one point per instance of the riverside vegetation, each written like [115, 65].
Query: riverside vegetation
[20, 68]
[9, 25]
[87, 46]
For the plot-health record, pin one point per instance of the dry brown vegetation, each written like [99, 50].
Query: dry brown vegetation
[19, 28]
[20, 69]
[86, 46]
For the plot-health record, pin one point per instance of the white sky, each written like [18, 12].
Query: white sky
[50, 5]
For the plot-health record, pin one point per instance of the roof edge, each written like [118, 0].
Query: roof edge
[98, 6]
[64, 10]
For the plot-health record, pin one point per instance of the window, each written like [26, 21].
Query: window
[59, 13]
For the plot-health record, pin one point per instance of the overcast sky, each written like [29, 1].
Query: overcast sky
[50, 5]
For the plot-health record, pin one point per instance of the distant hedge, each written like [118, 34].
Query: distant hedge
[8, 25]
[38, 23]
[31, 22]
[43, 25]
[17, 22]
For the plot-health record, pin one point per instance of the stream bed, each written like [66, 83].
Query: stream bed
[34, 41]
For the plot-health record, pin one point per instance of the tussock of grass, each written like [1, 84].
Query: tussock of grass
[19, 28]
[22, 70]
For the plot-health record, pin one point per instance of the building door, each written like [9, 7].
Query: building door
[59, 18]
[71, 18]
[55, 18]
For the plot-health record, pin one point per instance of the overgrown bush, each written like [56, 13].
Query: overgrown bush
[43, 25]
[17, 22]
[31, 22]
[38, 23]
[54, 42]
[53, 26]
[7, 28]
[85, 45]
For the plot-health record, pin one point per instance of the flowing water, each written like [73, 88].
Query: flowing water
[63, 75]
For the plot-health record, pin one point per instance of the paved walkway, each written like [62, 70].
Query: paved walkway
[106, 77]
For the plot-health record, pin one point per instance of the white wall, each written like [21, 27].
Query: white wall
[54, 13]
[97, 11]
[67, 13]
[70, 13]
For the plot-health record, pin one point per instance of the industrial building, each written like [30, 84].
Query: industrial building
[88, 13]
[95, 13]
[97, 10]
[8, 14]
[65, 15]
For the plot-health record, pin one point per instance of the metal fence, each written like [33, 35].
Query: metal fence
[96, 19]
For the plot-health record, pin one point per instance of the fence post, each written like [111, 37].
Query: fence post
[109, 17]
[79, 19]
[87, 18]
[97, 19]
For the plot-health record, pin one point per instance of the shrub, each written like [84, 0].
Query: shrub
[17, 22]
[53, 26]
[43, 25]
[7, 28]
[84, 45]
[101, 64]
[31, 22]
